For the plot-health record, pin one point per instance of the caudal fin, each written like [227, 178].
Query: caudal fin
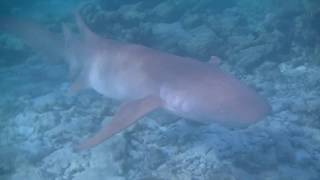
[34, 35]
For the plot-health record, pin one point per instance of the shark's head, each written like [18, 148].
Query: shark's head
[220, 98]
[248, 108]
[240, 105]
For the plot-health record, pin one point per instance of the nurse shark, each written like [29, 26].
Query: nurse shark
[143, 79]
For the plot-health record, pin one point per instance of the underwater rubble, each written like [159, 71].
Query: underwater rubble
[270, 45]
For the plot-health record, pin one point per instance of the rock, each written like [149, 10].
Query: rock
[7, 163]
[44, 103]
[303, 158]
[12, 50]
[164, 12]
[110, 5]
[251, 57]
[191, 21]
[171, 32]
[201, 42]
[240, 41]
[30, 172]
[131, 16]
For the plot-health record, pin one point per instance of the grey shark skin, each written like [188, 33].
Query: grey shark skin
[144, 79]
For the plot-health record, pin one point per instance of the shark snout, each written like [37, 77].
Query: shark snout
[251, 111]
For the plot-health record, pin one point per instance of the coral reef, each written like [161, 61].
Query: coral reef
[271, 45]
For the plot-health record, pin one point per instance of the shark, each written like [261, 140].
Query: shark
[143, 79]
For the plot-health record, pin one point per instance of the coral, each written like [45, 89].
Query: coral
[274, 46]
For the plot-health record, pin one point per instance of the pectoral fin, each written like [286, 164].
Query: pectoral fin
[127, 115]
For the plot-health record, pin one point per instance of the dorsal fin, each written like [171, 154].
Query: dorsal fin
[67, 35]
[70, 41]
[85, 31]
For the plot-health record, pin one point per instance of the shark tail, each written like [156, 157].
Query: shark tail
[71, 47]
[34, 35]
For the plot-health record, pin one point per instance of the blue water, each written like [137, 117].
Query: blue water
[272, 45]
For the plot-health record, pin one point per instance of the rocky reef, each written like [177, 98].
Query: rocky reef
[271, 45]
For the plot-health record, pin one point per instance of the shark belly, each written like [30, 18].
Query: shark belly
[103, 84]
[119, 84]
